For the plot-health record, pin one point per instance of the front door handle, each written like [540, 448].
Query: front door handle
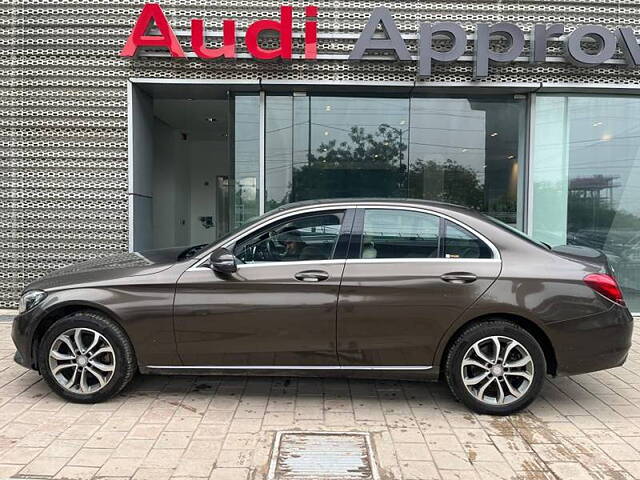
[312, 276]
[459, 277]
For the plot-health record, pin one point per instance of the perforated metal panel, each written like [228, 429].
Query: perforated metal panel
[63, 100]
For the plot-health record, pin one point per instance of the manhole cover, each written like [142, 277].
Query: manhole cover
[322, 456]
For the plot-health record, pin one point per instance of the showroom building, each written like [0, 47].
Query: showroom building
[132, 126]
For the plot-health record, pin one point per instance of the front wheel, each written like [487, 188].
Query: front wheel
[495, 367]
[86, 358]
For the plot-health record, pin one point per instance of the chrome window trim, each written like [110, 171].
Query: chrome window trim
[289, 367]
[338, 261]
[203, 257]
[420, 260]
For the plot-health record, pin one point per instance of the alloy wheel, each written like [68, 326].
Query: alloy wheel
[82, 360]
[497, 370]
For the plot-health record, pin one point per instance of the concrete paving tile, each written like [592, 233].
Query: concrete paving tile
[163, 458]
[173, 440]
[413, 451]
[77, 473]
[63, 448]
[145, 473]
[481, 452]
[7, 471]
[91, 457]
[203, 449]
[570, 470]
[119, 467]
[145, 432]
[444, 442]
[406, 435]
[494, 470]
[194, 468]
[234, 458]
[229, 474]
[133, 448]
[20, 455]
[43, 466]
[451, 460]
[419, 470]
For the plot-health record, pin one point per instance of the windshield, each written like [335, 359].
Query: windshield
[517, 232]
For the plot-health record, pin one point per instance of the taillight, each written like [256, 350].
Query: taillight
[605, 285]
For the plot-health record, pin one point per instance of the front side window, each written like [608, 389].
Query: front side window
[304, 238]
[460, 243]
[399, 234]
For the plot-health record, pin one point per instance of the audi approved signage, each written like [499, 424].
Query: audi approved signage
[605, 41]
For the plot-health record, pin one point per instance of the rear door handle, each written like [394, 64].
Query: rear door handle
[459, 277]
[312, 276]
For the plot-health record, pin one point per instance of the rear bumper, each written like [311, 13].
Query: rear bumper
[592, 343]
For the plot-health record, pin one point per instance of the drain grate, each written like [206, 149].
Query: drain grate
[322, 456]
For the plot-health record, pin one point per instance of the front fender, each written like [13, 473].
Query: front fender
[145, 313]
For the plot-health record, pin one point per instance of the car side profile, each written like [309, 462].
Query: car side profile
[373, 288]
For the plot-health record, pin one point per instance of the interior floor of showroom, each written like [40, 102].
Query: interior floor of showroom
[581, 428]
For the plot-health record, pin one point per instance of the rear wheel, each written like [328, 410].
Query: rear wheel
[495, 367]
[86, 358]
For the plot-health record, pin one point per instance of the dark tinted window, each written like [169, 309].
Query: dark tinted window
[399, 234]
[305, 238]
[460, 243]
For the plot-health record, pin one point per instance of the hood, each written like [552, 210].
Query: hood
[107, 269]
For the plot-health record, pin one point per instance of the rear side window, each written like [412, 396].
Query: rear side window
[460, 243]
[399, 234]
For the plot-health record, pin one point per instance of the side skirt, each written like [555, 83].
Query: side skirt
[407, 372]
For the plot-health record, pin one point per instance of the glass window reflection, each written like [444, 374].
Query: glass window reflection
[585, 173]
[246, 159]
[328, 147]
[468, 151]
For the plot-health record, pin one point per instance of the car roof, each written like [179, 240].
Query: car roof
[374, 200]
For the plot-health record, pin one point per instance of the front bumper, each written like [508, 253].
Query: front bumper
[22, 336]
[592, 343]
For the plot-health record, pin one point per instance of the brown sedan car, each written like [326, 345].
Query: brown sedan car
[386, 288]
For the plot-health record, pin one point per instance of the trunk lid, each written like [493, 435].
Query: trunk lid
[587, 255]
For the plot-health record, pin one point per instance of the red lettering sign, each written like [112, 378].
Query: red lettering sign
[283, 27]
[228, 49]
[152, 14]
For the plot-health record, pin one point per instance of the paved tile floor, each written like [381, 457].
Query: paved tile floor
[585, 427]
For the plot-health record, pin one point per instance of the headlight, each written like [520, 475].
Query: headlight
[30, 300]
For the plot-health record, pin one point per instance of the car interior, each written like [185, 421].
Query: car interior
[304, 238]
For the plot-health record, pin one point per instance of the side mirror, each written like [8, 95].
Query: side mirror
[223, 261]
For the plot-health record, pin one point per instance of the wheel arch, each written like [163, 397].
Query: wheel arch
[530, 326]
[63, 310]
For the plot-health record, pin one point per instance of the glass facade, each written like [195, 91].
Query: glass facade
[585, 178]
[245, 182]
[460, 150]
[584, 171]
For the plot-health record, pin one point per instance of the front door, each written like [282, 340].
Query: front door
[278, 309]
[409, 275]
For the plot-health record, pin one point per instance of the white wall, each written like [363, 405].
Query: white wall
[207, 160]
[170, 212]
[184, 186]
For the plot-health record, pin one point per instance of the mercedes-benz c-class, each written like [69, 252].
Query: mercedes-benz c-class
[376, 288]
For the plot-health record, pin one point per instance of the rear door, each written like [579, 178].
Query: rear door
[409, 274]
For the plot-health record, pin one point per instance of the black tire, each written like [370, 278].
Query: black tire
[467, 339]
[123, 355]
